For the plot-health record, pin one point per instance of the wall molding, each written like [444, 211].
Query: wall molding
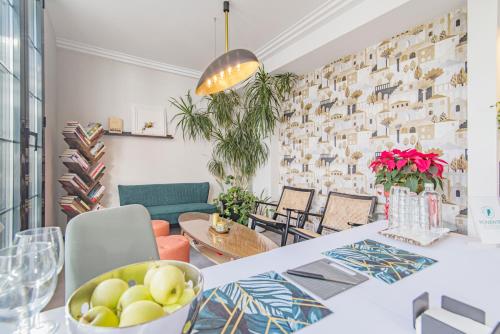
[126, 58]
[318, 17]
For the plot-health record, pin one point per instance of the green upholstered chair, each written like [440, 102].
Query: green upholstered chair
[100, 241]
[168, 201]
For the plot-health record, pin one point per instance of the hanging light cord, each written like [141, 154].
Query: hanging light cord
[226, 17]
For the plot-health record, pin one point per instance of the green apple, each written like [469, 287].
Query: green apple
[171, 308]
[108, 293]
[140, 312]
[133, 294]
[149, 275]
[187, 296]
[167, 285]
[100, 316]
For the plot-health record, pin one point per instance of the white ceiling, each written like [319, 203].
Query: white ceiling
[177, 32]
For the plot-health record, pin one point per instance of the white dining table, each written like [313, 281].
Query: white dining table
[466, 271]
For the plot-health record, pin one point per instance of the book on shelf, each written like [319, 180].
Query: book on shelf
[74, 181]
[97, 170]
[96, 192]
[73, 205]
[75, 130]
[73, 156]
[97, 149]
[94, 130]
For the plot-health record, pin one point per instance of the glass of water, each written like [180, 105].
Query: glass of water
[398, 210]
[28, 276]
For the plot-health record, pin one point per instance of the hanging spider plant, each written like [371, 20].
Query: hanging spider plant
[237, 123]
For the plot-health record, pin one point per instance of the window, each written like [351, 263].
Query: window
[21, 117]
[457, 23]
[457, 108]
[371, 56]
[457, 193]
[412, 55]
[413, 130]
[431, 112]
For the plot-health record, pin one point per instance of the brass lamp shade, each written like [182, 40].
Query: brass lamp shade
[226, 71]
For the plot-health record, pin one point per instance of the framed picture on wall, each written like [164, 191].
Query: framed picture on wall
[149, 120]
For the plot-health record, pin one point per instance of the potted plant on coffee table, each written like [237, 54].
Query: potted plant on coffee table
[235, 203]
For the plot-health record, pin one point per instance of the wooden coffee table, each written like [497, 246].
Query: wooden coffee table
[239, 242]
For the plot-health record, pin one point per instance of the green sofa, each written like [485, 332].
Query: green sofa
[168, 201]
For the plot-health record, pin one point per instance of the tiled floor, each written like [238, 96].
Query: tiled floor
[196, 259]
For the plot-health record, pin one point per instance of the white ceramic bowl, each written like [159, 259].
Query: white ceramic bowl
[178, 322]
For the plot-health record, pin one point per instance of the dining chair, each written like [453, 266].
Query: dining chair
[342, 211]
[291, 199]
[100, 241]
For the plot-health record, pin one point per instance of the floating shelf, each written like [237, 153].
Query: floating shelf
[130, 134]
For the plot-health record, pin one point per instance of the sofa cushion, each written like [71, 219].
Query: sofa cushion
[164, 194]
[172, 212]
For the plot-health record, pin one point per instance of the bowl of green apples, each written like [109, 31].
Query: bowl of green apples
[147, 297]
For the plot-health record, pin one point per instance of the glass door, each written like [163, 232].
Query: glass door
[21, 117]
[10, 111]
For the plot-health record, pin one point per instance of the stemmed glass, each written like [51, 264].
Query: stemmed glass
[28, 275]
[50, 234]
[53, 235]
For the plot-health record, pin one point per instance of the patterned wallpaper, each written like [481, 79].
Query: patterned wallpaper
[407, 91]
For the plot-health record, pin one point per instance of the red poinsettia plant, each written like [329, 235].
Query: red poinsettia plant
[409, 168]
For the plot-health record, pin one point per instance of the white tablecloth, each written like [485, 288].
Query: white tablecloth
[465, 271]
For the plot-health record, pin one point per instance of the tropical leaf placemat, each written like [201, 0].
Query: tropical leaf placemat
[262, 304]
[387, 263]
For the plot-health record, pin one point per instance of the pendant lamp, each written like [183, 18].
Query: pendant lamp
[229, 69]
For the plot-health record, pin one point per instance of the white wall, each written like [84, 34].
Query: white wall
[51, 117]
[482, 88]
[91, 88]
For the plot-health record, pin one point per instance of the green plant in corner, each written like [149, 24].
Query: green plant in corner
[237, 123]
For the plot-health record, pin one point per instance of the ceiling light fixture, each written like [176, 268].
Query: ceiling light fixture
[229, 69]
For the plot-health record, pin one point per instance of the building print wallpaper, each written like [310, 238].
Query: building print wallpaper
[407, 91]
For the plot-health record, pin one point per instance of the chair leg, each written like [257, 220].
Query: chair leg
[284, 238]
[284, 235]
[252, 224]
[296, 238]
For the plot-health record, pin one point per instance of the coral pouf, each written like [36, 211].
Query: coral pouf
[161, 228]
[173, 247]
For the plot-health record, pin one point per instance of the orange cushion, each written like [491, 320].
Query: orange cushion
[161, 228]
[173, 247]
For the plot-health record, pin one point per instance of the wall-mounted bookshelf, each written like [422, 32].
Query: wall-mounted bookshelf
[85, 170]
[130, 134]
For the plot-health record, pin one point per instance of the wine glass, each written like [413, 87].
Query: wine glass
[29, 278]
[50, 234]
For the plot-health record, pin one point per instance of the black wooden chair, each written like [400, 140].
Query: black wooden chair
[342, 211]
[291, 199]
